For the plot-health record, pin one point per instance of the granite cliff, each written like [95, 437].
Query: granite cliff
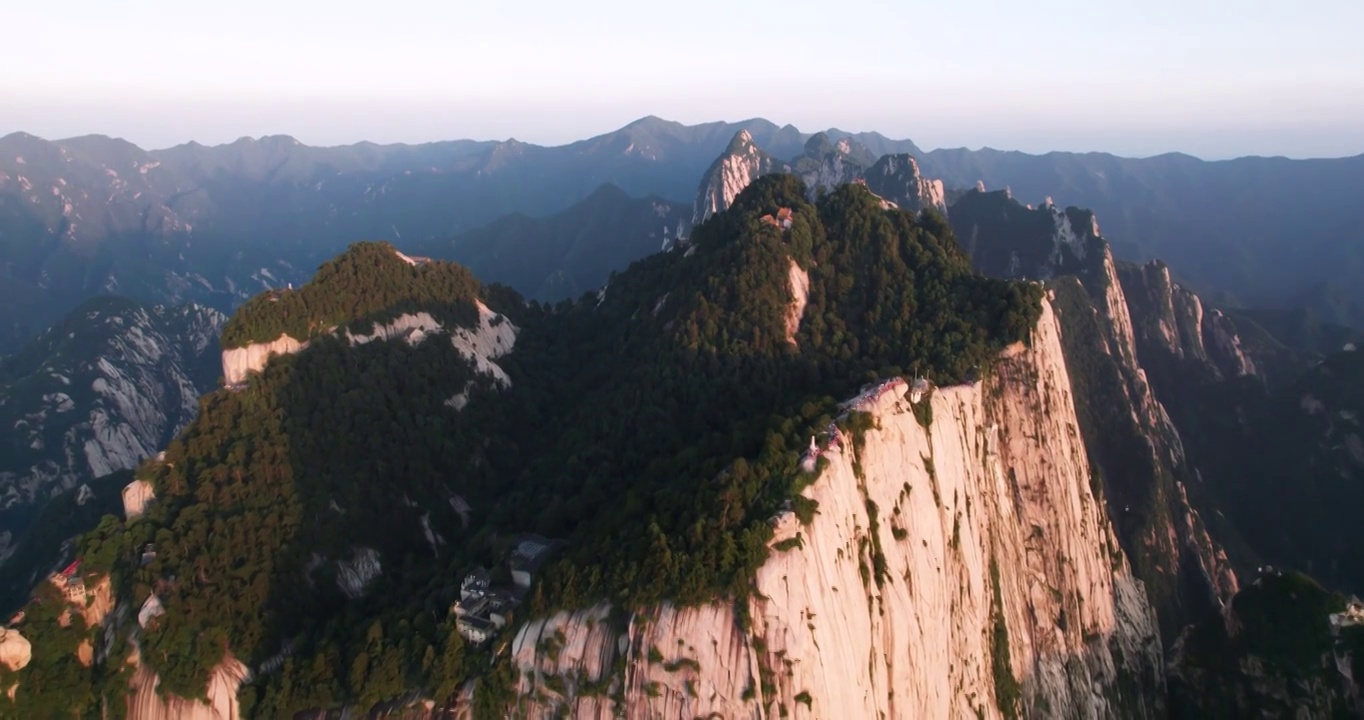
[961, 566]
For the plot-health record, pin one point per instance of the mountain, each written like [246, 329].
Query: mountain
[897, 179]
[97, 393]
[216, 225]
[1224, 225]
[1141, 456]
[312, 524]
[1263, 230]
[1251, 432]
[823, 164]
[1300, 472]
[741, 163]
[568, 253]
[876, 480]
[826, 164]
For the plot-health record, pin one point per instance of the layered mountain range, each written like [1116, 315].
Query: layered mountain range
[216, 225]
[853, 443]
[1039, 529]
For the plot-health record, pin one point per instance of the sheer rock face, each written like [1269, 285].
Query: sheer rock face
[897, 179]
[144, 703]
[238, 362]
[741, 164]
[823, 167]
[1135, 443]
[1174, 321]
[925, 542]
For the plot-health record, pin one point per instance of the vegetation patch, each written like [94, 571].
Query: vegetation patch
[1007, 692]
[789, 543]
[664, 499]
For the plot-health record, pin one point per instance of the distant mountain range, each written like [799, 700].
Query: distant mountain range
[215, 225]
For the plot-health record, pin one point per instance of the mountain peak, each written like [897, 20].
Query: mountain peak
[742, 142]
[819, 145]
[651, 121]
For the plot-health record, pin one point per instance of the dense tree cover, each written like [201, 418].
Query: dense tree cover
[1279, 660]
[695, 370]
[56, 683]
[367, 283]
[327, 451]
[656, 428]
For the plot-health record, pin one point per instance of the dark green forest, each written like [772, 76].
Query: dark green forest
[367, 283]
[656, 428]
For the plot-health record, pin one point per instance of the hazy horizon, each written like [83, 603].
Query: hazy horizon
[1057, 75]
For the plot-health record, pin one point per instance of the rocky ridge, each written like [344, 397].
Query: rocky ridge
[930, 544]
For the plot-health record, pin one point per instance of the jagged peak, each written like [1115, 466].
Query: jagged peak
[741, 143]
[892, 164]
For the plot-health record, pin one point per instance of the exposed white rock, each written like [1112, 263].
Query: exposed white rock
[353, 575]
[146, 703]
[61, 402]
[741, 164]
[898, 179]
[152, 608]
[113, 445]
[84, 495]
[15, 649]
[799, 283]
[238, 362]
[1065, 237]
[458, 400]
[833, 170]
[411, 328]
[493, 337]
[1009, 487]
[137, 495]
[1115, 309]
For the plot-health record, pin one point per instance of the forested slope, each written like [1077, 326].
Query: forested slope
[656, 428]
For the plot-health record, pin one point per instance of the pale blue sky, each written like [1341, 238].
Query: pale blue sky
[1214, 78]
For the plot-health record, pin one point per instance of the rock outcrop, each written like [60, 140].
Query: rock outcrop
[897, 179]
[238, 362]
[353, 575]
[15, 649]
[799, 282]
[823, 166]
[492, 337]
[1137, 447]
[137, 495]
[220, 703]
[741, 164]
[950, 570]
[826, 164]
